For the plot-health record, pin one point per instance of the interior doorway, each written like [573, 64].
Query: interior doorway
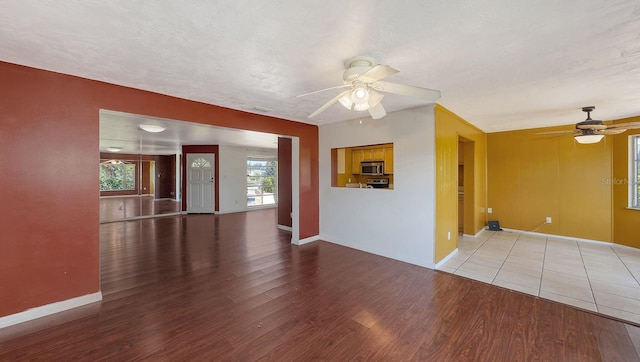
[466, 191]
[122, 131]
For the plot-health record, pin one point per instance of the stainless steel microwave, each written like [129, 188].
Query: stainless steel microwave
[375, 168]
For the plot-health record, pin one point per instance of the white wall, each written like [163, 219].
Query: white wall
[399, 223]
[233, 176]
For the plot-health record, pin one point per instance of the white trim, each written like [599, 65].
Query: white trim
[263, 206]
[559, 236]
[295, 191]
[49, 309]
[446, 259]
[631, 169]
[308, 240]
[474, 236]
[622, 246]
[284, 227]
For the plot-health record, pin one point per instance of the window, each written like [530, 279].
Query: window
[634, 174]
[262, 179]
[200, 163]
[117, 176]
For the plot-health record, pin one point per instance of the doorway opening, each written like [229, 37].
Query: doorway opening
[466, 191]
[122, 131]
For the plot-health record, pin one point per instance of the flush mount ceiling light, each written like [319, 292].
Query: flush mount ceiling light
[589, 138]
[152, 128]
[114, 149]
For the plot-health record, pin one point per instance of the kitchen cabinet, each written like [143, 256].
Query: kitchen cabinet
[377, 154]
[372, 154]
[388, 160]
[367, 155]
[356, 158]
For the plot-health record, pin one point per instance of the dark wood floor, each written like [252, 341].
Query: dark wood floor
[231, 287]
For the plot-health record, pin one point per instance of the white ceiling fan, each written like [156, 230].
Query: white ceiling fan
[363, 78]
[593, 130]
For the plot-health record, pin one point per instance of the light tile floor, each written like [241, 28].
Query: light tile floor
[594, 276]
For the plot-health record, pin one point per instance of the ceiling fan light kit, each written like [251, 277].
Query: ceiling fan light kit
[363, 78]
[589, 138]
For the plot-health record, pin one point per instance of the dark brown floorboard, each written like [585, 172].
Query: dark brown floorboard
[232, 287]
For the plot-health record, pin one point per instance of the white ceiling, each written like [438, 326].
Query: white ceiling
[500, 64]
[118, 129]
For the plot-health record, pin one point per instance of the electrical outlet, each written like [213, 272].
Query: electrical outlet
[548, 219]
[489, 210]
[448, 235]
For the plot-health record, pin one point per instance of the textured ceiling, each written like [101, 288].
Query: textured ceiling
[118, 129]
[500, 65]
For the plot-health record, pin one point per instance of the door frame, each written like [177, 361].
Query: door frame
[188, 149]
[210, 157]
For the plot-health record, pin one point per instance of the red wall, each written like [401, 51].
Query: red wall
[49, 131]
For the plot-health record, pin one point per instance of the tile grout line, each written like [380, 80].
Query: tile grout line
[505, 259]
[595, 303]
[544, 258]
[625, 265]
[464, 261]
[474, 251]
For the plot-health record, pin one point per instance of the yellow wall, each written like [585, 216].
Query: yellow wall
[626, 222]
[449, 128]
[533, 176]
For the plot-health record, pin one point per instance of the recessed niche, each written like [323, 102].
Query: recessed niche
[368, 166]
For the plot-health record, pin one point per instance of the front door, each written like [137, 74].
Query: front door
[200, 183]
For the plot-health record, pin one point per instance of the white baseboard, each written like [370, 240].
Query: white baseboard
[285, 228]
[446, 258]
[45, 310]
[308, 240]
[559, 236]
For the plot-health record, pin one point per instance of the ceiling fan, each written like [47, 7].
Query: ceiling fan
[592, 130]
[363, 80]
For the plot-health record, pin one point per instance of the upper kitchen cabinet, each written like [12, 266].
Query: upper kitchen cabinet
[388, 160]
[377, 154]
[370, 153]
[367, 167]
[357, 156]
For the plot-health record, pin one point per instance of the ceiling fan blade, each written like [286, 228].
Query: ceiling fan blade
[376, 73]
[630, 125]
[430, 95]
[612, 131]
[323, 90]
[374, 98]
[328, 104]
[377, 111]
[559, 132]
